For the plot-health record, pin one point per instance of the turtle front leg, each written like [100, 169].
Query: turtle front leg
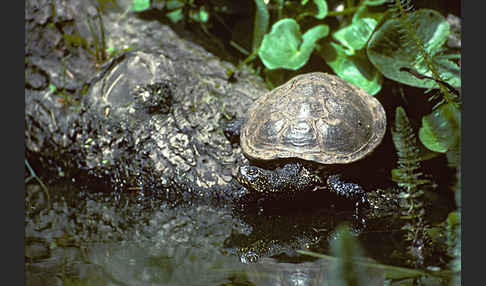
[348, 190]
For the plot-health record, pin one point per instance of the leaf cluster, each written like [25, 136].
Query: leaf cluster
[96, 42]
[419, 234]
[421, 60]
[178, 10]
[373, 40]
[303, 28]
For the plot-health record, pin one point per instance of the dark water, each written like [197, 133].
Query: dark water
[73, 237]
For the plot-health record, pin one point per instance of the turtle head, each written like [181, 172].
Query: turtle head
[253, 178]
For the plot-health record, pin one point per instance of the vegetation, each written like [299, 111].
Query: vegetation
[365, 42]
[178, 10]
[94, 43]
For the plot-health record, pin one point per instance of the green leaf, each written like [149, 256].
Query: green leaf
[454, 219]
[313, 35]
[356, 35]
[174, 4]
[260, 26]
[200, 16]
[440, 130]
[52, 88]
[364, 12]
[354, 68]
[140, 5]
[318, 10]
[203, 15]
[285, 47]
[428, 138]
[321, 9]
[175, 16]
[391, 48]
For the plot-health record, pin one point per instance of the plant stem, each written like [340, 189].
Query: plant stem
[346, 11]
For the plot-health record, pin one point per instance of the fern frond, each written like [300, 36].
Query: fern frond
[402, 10]
[407, 174]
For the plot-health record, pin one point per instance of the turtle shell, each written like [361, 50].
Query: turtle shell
[316, 117]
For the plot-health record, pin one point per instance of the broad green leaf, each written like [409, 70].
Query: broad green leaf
[260, 26]
[281, 45]
[175, 16]
[313, 35]
[356, 35]
[428, 139]
[354, 68]
[392, 48]
[285, 47]
[140, 5]
[440, 130]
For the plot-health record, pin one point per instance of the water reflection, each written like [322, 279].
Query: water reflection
[321, 272]
[132, 264]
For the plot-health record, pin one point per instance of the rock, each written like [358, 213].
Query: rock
[147, 121]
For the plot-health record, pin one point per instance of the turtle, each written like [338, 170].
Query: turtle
[302, 134]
